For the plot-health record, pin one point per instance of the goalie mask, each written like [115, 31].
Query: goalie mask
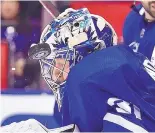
[65, 41]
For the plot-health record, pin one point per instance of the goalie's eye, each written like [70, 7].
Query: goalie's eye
[76, 24]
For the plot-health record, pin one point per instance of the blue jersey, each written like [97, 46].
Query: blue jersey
[101, 84]
[140, 34]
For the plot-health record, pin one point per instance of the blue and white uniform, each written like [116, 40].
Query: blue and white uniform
[140, 34]
[112, 91]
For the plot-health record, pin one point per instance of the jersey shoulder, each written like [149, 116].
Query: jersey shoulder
[92, 66]
[133, 16]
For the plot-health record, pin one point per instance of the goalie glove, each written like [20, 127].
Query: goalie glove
[33, 126]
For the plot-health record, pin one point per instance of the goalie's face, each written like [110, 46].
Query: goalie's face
[55, 71]
[60, 71]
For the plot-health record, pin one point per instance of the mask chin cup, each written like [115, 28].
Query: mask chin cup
[39, 51]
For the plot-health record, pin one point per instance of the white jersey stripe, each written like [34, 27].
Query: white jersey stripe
[124, 123]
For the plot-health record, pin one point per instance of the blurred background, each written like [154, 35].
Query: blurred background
[21, 25]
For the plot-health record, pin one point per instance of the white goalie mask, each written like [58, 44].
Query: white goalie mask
[65, 41]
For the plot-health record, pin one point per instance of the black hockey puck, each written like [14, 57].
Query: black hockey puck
[39, 51]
